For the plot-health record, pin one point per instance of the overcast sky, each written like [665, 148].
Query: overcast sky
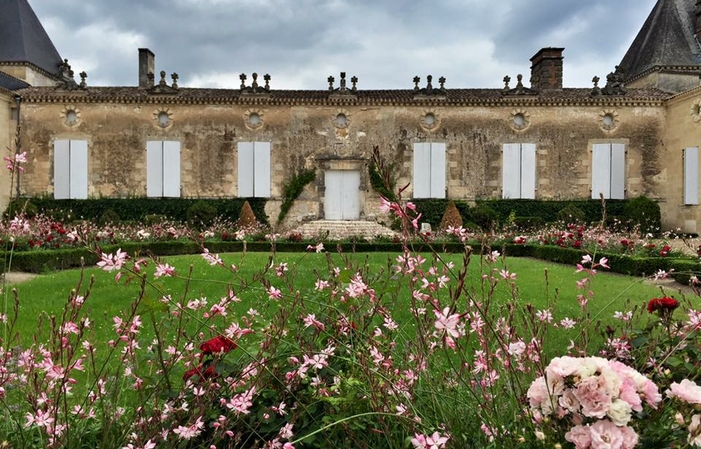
[385, 43]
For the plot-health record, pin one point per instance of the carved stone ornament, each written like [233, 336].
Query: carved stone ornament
[70, 115]
[520, 89]
[67, 79]
[614, 83]
[343, 90]
[608, 119]
[163, 88]
[429, 91]
[696, 111]
[430, 120]
[520, 119]
[163, 118]
[255, 88]
[253, 119]
[341, 119]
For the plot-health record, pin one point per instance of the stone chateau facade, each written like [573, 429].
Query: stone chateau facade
[637, 132]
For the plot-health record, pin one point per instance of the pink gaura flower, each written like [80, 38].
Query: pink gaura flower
[447, 323]
[211, 259]
[187, 433]
[274, 293]
[109, 262]
[164, 270]
[435, 441]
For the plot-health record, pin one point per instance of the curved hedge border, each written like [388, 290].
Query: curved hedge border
[41, 261]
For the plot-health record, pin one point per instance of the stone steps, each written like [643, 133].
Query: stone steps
[343, 229]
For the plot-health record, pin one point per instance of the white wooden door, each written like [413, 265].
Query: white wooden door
[342, 195]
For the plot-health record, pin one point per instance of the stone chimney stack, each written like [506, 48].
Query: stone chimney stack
[546, 68]
[698, 20]
[147, 64]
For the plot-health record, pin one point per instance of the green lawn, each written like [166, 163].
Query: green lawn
[47, 294]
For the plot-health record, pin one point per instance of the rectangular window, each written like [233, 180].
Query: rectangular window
[518, 170]
[254, 169]
[70, 169]
[608, 171]
[163, 168]
[691, 175]
[429, 170]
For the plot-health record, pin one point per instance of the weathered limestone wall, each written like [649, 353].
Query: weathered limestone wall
[307, 136]
[683, 131]
[28, 74]
[7, 130]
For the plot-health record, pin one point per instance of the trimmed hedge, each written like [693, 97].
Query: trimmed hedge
[548, 210]
[135, 209]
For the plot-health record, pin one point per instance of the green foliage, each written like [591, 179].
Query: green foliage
[201, 214]
[431, 210]
[484, 216]
[528, 223]
[645, 213]
[548, 210]
[571, 214]
[108, 217]
[135, 209]
[292, 189]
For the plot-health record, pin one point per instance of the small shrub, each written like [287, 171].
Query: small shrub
[451, 217]
[528, 223]
[645, 213]
[247, 220]
[201, 214]
[484, 216]
[571, 214]
[108, 217]
[152, 219]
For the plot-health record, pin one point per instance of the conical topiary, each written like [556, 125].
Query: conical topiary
[451, 217]
[247, 219]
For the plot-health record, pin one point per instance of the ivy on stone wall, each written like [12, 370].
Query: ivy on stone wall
[293, 189]
[382, 176]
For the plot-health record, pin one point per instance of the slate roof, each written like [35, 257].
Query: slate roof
[667, 39]
[23, 39]
[452, 97]
[11, 83]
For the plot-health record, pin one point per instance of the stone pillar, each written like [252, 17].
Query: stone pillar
[697, 23]
[147, 64]
[546, 69]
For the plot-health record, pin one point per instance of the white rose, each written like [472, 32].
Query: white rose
[619, 412]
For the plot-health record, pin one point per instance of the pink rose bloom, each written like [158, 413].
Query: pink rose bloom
[539, 397]
[630, 438]
[606, 435]
[579, 436]
[564, 366]
[595, 402]
[686, 391]
[652, 393]
[630, 394]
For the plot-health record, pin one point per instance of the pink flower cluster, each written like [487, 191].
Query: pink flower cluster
[689, 392]
[597, 395]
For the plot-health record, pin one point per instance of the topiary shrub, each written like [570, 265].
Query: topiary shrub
[201, 214]
[451, 217]
[645, 213]
[247, 219]
[571, 214]
[484, 216]
[108, 217]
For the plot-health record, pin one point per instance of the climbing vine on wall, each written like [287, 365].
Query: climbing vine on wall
[382, 176]
[292, 189]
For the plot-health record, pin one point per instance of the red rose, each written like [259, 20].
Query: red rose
[217, 345]
[662, 304]
[207, 373]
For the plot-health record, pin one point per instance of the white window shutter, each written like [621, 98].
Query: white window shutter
[601, 171]
[528, 171]
[154, 168]
[422, 170]
[511, 170]
[79, 169]
[171, 168]
[245, 169]
[618, 171]
[438, 170]
[62, 160]
[261, 171]
[691, 175]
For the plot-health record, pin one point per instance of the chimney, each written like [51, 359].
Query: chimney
[697, 27]
[546, 68]
[147, 64]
